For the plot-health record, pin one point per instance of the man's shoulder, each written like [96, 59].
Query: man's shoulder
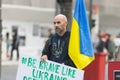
[68, 33]
[51, 38]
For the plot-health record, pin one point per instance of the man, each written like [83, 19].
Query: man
[15, 44]
[110, 46]
[8, 43]
[56, 48]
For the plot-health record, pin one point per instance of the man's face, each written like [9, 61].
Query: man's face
[60, 24]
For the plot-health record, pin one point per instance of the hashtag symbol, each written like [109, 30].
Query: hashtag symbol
[24, 60]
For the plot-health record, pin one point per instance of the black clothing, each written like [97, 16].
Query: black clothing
[110, 46]
[100, 46]
[15, 46]
[50, 35]
[56, 49]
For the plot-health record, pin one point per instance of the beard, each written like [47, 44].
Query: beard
[58, 30]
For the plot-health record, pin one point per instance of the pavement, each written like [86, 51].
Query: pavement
[6, 61]
[14, 61]
[9, 72]
[8, 67]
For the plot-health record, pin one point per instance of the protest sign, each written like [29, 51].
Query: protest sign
[32, 68]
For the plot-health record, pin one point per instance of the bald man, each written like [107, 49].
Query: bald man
[56, 48]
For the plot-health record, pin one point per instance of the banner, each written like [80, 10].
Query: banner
[32, 68]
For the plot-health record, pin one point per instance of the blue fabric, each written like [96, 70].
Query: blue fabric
[81, 18]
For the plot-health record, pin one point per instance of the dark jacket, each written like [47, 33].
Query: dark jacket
[15, 42]
[56, 48]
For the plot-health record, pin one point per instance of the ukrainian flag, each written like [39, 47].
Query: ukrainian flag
[80, 45]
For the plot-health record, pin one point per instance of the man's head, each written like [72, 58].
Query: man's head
[60, 23]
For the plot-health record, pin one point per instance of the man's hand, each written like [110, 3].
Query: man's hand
[44, 57]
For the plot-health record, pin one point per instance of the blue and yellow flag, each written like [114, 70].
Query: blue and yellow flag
[80, 45]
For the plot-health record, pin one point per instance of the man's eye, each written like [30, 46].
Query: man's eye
[58, 22]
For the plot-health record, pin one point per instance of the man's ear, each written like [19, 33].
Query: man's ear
[66, 23]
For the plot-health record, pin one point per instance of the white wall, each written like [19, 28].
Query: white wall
[26, 13]
[24, 16]
[32, 3]
[33, 44]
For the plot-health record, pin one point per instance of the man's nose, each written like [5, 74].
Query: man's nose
[56, 25]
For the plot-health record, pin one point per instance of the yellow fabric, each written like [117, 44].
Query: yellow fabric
[80, 60]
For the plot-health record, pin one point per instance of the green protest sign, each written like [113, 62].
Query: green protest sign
[32, 68]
